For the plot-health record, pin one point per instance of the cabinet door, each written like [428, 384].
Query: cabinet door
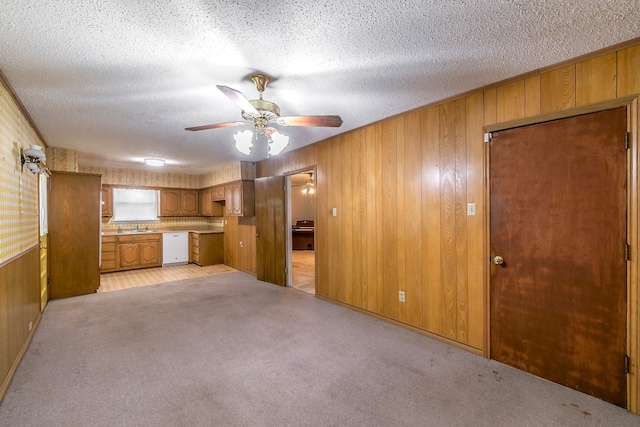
[236, 198]
[107, 201]
[204, 199]
[169, 202]
[217, 193]
[188, 202]
[128, 255]
[228, 200]
[149, 254]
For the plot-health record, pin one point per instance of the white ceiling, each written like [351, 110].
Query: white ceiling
[119, 80]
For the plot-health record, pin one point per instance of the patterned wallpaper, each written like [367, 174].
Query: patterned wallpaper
[18, 186]
[62, 159]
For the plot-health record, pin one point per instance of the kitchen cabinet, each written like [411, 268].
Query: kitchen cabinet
[109, 253]
[240, 198]
[178, 202]
[74, 234]
[217, 193]
[131, 252]
[208, 207]
[107, 201]
[207, 248]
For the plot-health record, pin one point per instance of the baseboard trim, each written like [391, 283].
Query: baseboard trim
[474, 350]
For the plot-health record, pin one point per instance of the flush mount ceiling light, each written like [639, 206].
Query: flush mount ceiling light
[155, 162]
[260, 113]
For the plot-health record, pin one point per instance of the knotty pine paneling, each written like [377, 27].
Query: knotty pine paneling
[430, 212]
[510, 100]
[531, 96]
[475, 232]
[596, 79]
[557, 90]
[628, 67]
[408, 221]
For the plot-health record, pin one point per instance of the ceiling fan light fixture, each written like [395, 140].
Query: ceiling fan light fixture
[243, 141]
[155, 162]
[277, 143]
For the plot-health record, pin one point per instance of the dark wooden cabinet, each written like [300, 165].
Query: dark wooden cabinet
[209, 207]
[178, 202]
[74, 234]
[107, 201]
[240, 198]
[207, 248]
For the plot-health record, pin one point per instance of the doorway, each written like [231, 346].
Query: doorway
[558, 226]
[302, 215]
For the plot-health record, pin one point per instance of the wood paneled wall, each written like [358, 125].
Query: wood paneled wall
[19, 310]
[401, 188]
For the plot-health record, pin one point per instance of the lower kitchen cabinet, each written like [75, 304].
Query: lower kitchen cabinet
[207, 248]
[131, 252]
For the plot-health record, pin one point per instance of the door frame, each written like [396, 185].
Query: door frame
[289, 238]
[633, 229]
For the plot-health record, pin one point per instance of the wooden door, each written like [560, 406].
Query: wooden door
[558, 220]
[270, 230]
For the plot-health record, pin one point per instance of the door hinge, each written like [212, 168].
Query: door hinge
[286, 270]
[627, 252]
[487, 137]
[627, 364]
[626, 140]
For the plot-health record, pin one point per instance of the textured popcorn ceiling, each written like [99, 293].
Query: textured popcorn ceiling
[119, 80]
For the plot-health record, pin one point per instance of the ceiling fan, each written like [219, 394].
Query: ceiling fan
[261, 113]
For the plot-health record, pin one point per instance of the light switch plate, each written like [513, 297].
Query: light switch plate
[471, 209]
[334, 212]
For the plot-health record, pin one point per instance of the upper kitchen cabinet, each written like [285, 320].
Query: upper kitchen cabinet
[217, 193]
[178, 202]
[107, 201]
[240, 198]
[208, 207]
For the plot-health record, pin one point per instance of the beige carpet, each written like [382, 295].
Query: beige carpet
[227, 350]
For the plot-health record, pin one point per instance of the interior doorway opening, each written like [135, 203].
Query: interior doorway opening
[301, 218]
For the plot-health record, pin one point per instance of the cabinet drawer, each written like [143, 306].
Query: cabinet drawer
[108, 247]
[154, 237]
[109, 265]
[109, 239]
[108, 256]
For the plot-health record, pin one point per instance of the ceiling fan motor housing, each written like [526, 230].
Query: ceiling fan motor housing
[268, 112]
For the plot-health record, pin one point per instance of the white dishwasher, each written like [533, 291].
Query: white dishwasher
[175, 248]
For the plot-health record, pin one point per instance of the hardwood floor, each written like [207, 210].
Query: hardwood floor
[303, 271]
[303, 274]
[148, 276]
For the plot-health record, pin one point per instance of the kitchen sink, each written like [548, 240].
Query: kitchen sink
[144, 231]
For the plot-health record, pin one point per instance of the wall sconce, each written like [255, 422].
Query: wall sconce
[34, 158]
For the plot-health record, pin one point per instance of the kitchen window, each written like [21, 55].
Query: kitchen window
[132, 204]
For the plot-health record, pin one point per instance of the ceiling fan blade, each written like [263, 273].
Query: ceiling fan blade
[324, 121]
[239, 99]
[217, 125]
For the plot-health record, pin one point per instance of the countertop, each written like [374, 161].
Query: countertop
[199, 230]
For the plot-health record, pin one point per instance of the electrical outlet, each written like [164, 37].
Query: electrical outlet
[401, 295]
[241, 244]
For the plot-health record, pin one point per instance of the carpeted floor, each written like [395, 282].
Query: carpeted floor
[227, 350]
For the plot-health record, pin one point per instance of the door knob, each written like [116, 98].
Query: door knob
[498, 260]
[257, 235]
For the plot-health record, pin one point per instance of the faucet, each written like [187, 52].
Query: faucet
[137, 227]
